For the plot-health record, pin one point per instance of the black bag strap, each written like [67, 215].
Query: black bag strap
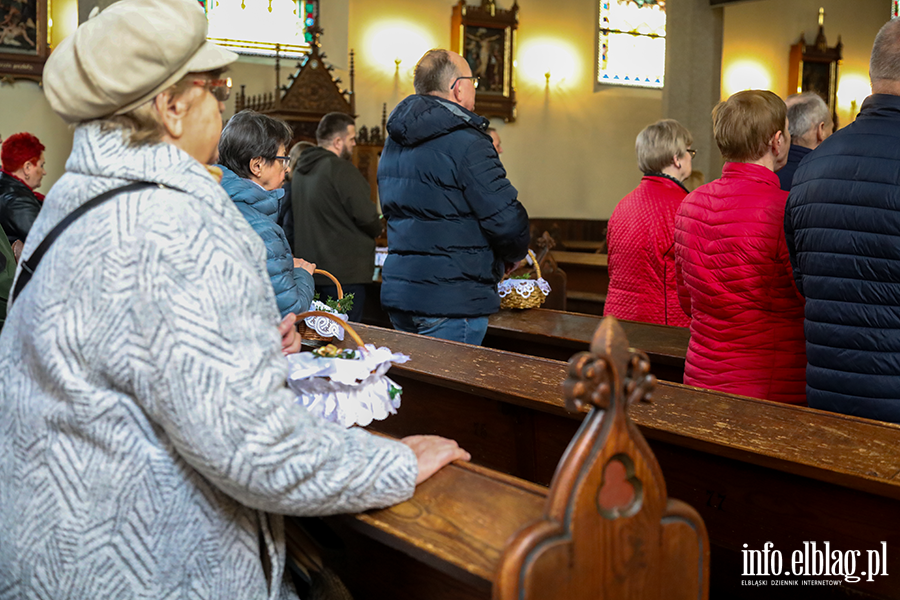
[29, 266]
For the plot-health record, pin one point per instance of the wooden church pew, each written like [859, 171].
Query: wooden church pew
[472, 532]
[558, 335]
[756, 471]
[587, 280]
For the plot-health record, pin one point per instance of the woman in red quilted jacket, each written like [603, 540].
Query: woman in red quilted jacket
[642, 283]
[734, 273]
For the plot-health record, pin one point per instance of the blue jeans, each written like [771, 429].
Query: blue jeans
[468, 330]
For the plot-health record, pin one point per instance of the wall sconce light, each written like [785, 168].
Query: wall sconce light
[852, 90]
[746, 74]
[541, 59]
[392, 43]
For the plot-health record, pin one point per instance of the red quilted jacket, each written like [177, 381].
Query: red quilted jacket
[735, 280]
[642, 283]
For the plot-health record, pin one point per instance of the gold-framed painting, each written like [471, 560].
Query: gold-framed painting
[23, 38]
[486, 37]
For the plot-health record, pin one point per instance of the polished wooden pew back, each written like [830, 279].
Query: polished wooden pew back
[757, 471]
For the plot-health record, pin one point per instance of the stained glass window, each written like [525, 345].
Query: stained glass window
[632, 43]
[895, 8]
[257, 26]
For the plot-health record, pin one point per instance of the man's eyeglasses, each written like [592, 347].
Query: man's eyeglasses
[285, 160]
[219, 88]
[472, 77]
[692, 152]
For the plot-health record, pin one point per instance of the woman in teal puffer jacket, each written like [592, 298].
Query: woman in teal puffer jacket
[253, 162]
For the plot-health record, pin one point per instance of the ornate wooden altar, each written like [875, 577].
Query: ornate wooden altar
[815, 68]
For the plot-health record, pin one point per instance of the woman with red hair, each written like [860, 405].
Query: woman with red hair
[22, 156]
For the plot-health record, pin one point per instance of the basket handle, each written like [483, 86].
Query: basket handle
[341, 322]
[340, 292]
[534, 261]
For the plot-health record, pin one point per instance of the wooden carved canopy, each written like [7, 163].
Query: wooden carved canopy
[312, 94]
[609, 529]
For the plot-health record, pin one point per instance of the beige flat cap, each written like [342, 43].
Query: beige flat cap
[127, 54]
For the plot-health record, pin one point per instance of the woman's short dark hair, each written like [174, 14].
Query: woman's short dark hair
[249, 135]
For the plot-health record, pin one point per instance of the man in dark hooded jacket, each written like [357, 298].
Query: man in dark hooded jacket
[335, 220]
[842, 223]
[454, 220]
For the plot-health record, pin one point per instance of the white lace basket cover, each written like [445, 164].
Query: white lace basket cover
[347, 391]
[323, 325]
[522, 287]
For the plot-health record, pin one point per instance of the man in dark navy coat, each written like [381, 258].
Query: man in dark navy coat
[454, 221]
[842, 226]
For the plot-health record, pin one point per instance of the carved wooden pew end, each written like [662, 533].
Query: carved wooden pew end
[604, 529]
[608, 529]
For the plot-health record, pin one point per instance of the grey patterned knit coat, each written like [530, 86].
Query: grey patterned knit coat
[147, 439]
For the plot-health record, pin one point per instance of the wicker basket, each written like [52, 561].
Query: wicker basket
[307, 332]
[347, 390]
[331, 316]
[524, 293]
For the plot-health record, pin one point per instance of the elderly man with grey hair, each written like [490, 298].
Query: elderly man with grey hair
[842, 223]
[810, 123]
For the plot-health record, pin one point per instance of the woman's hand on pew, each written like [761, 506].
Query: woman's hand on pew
[434, 453]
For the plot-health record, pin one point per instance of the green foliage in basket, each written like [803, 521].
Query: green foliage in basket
[332, 351]
[523, 276]
[341, 306]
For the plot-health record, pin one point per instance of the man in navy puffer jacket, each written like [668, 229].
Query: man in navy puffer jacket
[842, 223]
[454, 220]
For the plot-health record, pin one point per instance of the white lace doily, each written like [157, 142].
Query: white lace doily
[347, 391]
[323, 325]
[523, 287]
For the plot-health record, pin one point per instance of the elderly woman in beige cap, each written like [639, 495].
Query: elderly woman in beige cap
[148, 443]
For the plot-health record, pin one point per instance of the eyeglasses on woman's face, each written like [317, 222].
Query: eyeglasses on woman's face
[692, 152]
[285, 161]
[219, 88]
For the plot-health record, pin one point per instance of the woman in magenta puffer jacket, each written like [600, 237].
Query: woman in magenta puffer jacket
[732, 263]
[640, 234]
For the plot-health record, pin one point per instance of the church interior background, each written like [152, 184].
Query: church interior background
[570, 149]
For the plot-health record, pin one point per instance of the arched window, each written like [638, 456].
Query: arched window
[631, 47]
[257, 26]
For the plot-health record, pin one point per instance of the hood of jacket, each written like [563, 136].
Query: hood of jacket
[421, 118]
[250, 193]
[310, 157]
